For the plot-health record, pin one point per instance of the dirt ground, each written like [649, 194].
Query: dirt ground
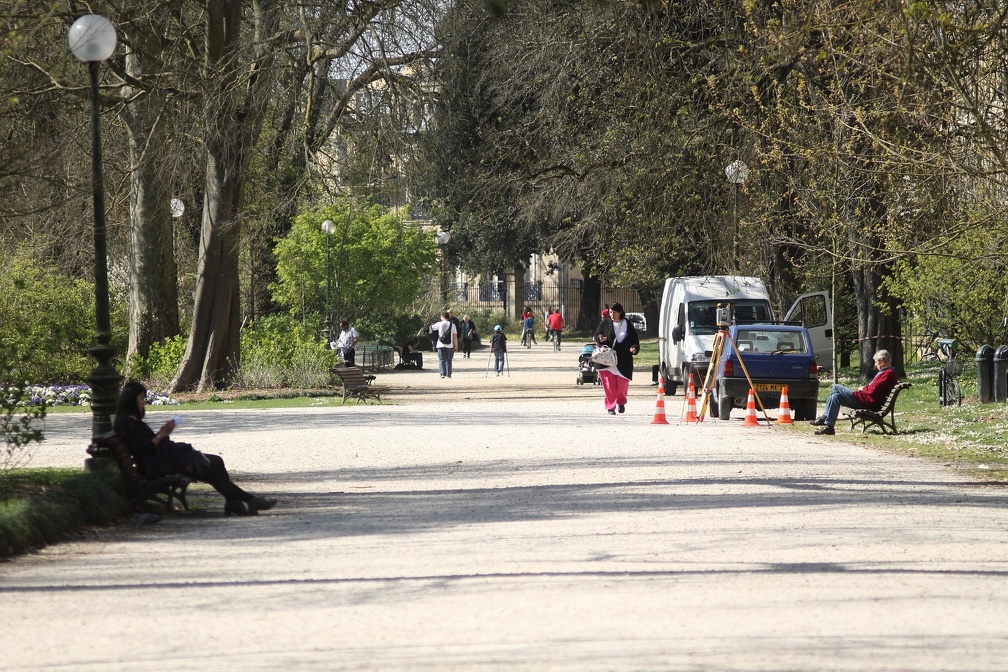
[485, 523]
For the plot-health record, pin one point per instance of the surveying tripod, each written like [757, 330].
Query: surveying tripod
[718, 348]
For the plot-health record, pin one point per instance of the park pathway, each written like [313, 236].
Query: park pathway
[509, 524]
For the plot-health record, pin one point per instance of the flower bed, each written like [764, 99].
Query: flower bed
[80, 395]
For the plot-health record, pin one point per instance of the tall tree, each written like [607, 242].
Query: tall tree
[153, 296]
[238, 75]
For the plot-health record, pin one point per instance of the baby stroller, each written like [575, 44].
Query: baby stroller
[587, 373]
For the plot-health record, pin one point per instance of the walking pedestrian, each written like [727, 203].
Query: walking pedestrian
[446, 343]
[498, 346]
[616, 332]
[468, 332]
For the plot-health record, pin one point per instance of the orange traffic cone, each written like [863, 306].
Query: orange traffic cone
[659, 414]
[784, 416]
[691, 414]
[750, 412]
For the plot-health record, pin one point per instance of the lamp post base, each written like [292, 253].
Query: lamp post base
[104, 382]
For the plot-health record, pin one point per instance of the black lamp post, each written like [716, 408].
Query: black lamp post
[442, 240]
[92, 39]
[736, 172]
[328, 228]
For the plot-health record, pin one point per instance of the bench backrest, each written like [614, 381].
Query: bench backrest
[891, 399]
[351, 376]
[122, 456]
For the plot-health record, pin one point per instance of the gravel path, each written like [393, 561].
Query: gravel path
[510, 524]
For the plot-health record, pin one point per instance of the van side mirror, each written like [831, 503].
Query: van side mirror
[677, 333]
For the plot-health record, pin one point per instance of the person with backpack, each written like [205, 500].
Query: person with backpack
[446, 343]
[498, 346]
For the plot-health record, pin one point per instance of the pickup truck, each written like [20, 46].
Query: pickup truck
[775, 355]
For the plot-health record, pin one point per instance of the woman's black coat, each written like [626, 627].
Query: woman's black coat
[624, 360]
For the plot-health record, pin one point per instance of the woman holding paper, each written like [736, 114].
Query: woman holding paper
[157, 455]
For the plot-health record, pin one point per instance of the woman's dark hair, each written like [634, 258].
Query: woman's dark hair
[618, 307]
[127, 405]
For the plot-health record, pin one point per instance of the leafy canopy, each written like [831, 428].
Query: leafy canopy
[375, 260]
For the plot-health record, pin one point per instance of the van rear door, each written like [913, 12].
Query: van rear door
[813, 311]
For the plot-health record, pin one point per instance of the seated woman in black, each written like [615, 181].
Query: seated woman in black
[157, 455]
[411, 355]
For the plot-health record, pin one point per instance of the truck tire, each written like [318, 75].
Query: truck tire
[724, 408]
[670, 385]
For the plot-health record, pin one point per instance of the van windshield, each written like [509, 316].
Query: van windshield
[703, 314]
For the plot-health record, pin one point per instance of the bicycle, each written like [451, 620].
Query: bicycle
[556, 340]
[527, 338]
[949, 391]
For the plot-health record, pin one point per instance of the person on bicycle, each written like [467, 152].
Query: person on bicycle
[871, 396]
[528, 330]
[556, 325]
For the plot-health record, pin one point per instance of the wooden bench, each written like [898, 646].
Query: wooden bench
[884, 418]
[163, 490]
[357, 384]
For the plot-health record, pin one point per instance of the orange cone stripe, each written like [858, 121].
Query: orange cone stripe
[659, 416]
[784, 416]
[750, 411]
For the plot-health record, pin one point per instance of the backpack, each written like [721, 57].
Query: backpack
[445, 338]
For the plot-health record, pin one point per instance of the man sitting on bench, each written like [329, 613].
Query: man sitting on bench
[870, 397]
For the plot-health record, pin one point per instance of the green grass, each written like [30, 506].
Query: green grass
[972, 436]
[41, 506]
[648, 355]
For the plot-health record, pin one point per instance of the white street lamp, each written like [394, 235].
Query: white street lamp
[328, 228]
[177, 207]
[92, 39]
[736, 172]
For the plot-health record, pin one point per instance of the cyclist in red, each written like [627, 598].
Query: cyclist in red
[556, 325]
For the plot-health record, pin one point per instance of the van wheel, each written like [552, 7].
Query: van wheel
[671, 388]
[724, 408]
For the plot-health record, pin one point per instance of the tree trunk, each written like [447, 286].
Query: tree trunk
[153, 296]
[234, 113]
[518, 291]
[591, 298]
[876, 331]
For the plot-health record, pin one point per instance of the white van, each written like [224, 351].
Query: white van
[687, 321]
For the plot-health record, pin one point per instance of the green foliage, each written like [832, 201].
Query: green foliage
[376, 260]
[45, 321]
[280, 351]
[20, 416]
[40, 506]
[963, 295]
[158, 368]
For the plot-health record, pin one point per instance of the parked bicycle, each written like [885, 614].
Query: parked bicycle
[949, 390]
